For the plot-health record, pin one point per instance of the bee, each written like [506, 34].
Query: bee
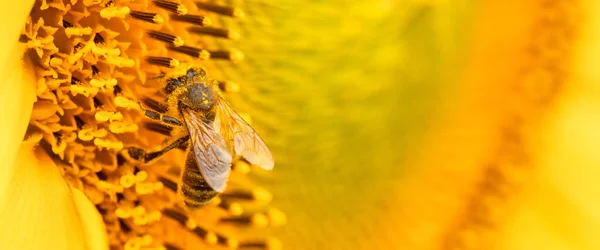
[215, 134]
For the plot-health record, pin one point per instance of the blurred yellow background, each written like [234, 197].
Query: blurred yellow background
[429, 124]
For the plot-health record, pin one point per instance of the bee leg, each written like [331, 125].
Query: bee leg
[162, 117]
[140, 154]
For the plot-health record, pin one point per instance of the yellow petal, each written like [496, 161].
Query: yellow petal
[17, 94]
[17, 88]
[93, 228]
[42, 212]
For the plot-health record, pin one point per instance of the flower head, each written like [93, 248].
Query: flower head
[97, 64]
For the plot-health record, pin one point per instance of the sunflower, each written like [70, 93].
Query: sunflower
[87, 69]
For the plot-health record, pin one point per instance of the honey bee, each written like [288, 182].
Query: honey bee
[217, 133]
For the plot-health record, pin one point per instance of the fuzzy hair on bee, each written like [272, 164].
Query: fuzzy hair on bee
[215, 135]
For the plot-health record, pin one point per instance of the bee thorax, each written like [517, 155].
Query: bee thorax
[199, 97]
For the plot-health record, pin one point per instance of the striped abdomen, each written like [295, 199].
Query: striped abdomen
[195, 191]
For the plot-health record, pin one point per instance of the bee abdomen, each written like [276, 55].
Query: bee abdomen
[194, 189]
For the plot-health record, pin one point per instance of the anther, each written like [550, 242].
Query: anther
[95, 70]
[23, 38]
[229, 242]
[276, 217]
[193, 19]
[74, 80]
[218, 32]
[163, 61]
[221, 9]
[176, 8]
[171, 39]
[228, 86]
[66, 24]
[117, 90]
[268, 244]
[98, 39]
[77, 47]
[97, 103]
[168, 183]
[191, 51]
[147, 17]
[169, 246]
[78, 122]
[259, 194]
[233, 55]
[209, 237]
[232, 207]
[179, 217]
[258, 220]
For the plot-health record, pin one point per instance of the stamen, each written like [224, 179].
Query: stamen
[78, 122]
[168, 183]
[117, 90]
[97, 103]
[191, 51]
[171, 39]
[176, 8]
[233, 208]
[218, 32]
[95, 70]
[259, 194]
[193, 19]
[229, 86]
[170, 247]
[98, 39]
[229, 242]
[184, 220]
[233, 55]
[269, 244]
[75, 80]
[24, 39]
[276, 217]
[66, 24]
[256, 220]
[221, 9]
[163, 61]
[241, 167]
[147, 17]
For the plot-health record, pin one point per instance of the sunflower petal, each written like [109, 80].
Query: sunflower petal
[17, 94]
[17, 88]
[94, 232]
[40, 211]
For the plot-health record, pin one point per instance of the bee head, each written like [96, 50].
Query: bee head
[192, 74]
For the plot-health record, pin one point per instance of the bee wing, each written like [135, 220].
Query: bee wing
[246, 142]
[211, 151]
